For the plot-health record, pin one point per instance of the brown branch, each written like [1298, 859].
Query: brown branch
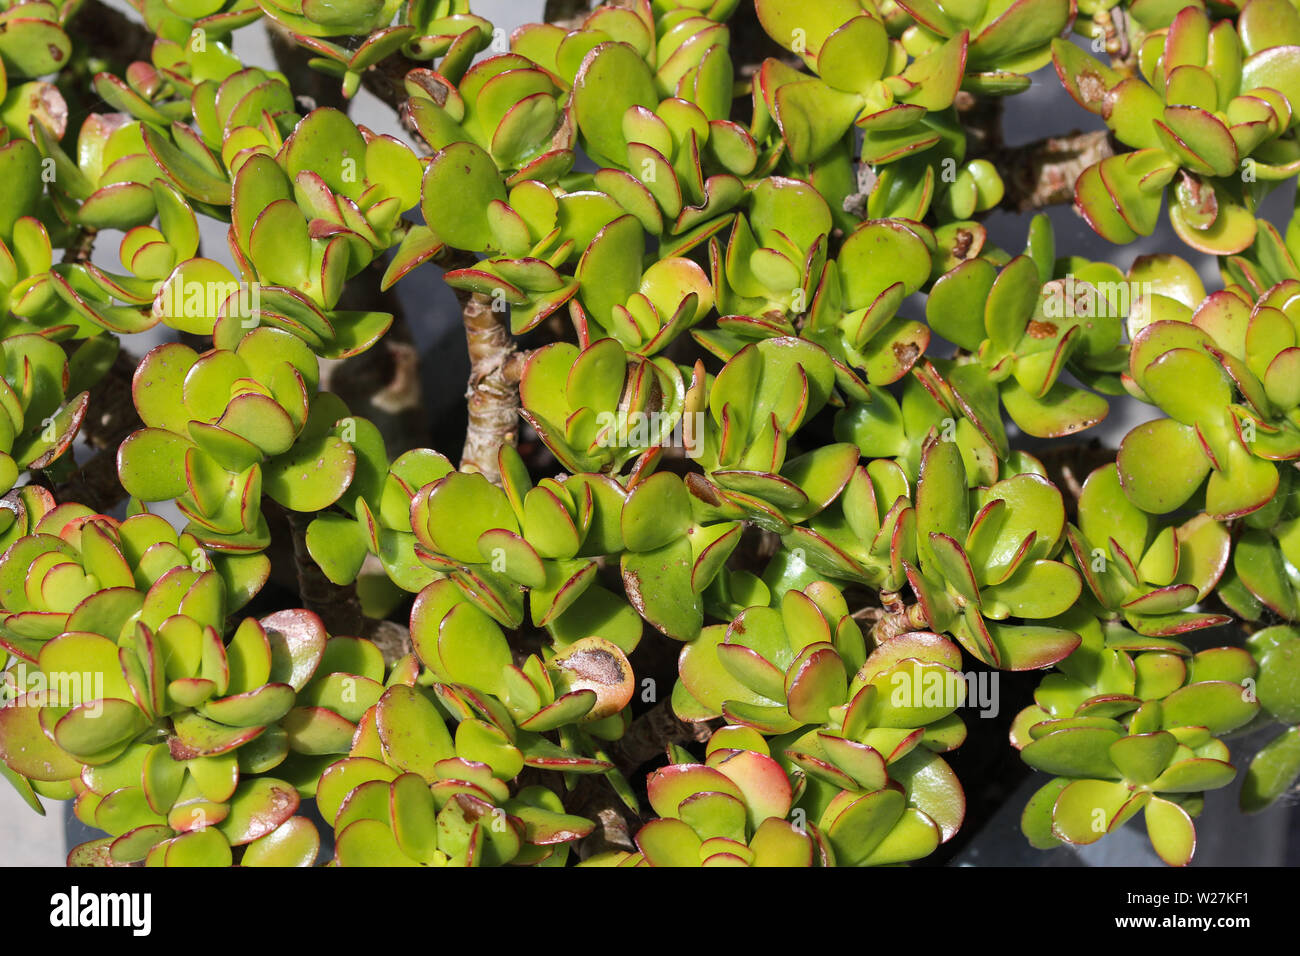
[337, 605]
[652, 733]
[305, 81]
[892, 624]
[616, 825]
[892, 618]
[495, 368]
[81, 248]
[1114, 27]
[569, 14]
[110, 418]
[1043, 173]
[386, 81]
[392, 639]
[592, 796]
[110, 34]
[855, 204]
[612, 833]
[1037, 174]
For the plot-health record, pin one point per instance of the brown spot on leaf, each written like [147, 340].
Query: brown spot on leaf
[1199, 203]
[1091, 87]
[181, 751]
[280, 805]
[55, 53]
[906, 353]
[1040, 330]
[594, 664]
[632, 585]
[598, 665]
[702, 489]
[962, 246]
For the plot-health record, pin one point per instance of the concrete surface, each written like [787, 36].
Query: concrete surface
[27, 839]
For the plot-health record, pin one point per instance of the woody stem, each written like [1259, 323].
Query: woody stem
[495, 367]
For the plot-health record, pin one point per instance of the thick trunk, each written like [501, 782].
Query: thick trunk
[1043, 173]
[494, 371]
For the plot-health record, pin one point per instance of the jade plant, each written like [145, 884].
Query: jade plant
[1132, 725]
[1274, 769]
[1209, 113]
[771, 463]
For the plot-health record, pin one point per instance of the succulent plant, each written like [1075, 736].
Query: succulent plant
[33, 42]
[748, 373]
[1211, 114]
[223, 426]
[40, 419]
[862, 77]
[1234, 426]
[760, 398]
[97, 555]
[177, 21]
[163, 729]
[643, 311]
[585, 402]
[1274, 769]
[1143, 573]
[506, 105]
[775, 669]
[974, 572]
[854, 310]
[380, 520]
[1132, 724]
[1006, 38]
[1268, 261]
[411, 794]
[356, 18]
[732, 811]
[1025, 336]
[829, 681]
[728, 811]
[467, 655]
[846, 724]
